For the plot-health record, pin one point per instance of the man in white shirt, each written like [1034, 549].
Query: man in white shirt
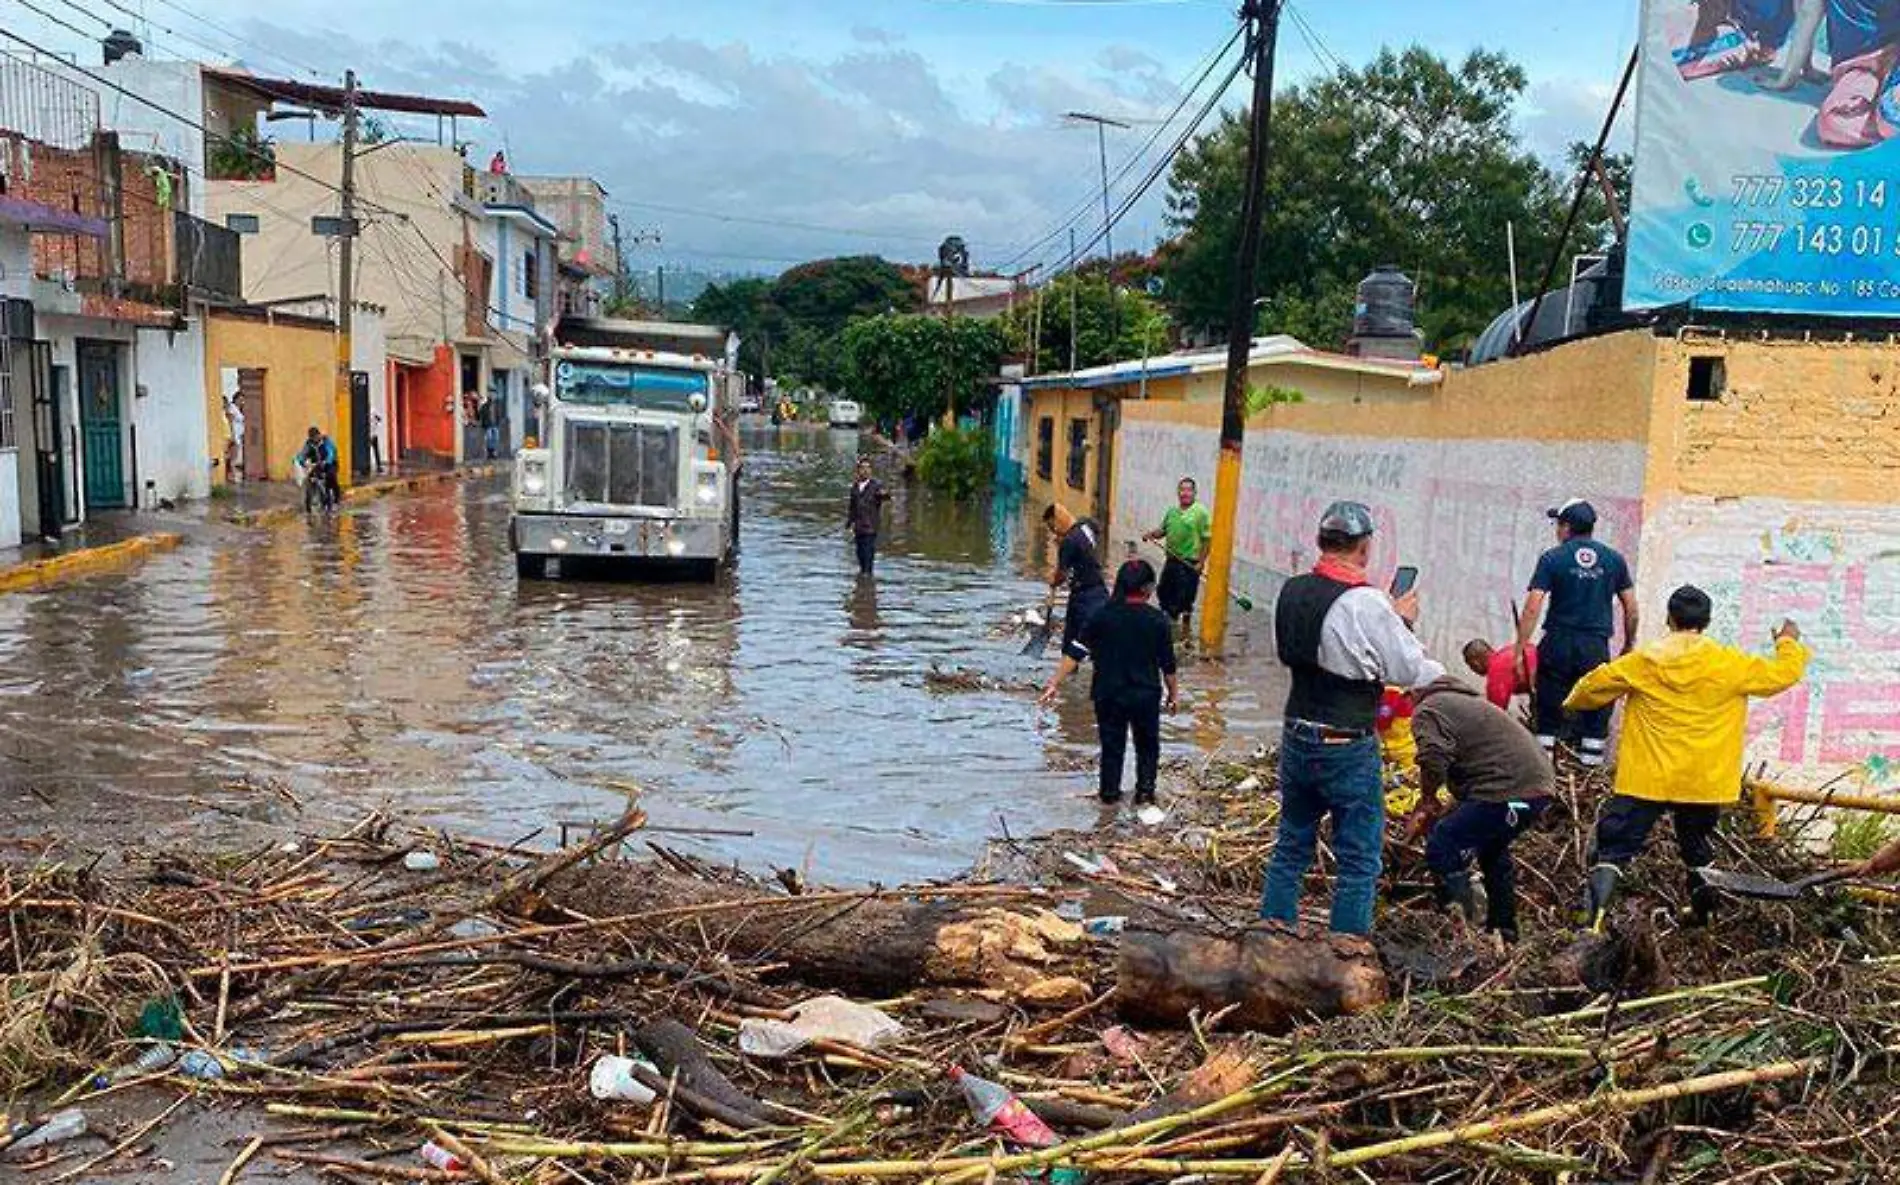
[234, 449]
[1345, 642]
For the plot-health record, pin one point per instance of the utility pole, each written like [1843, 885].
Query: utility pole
[1264, 18]
[1102, 124]
[1072, 285]
[346, 284]
[662, 276]
[620, 261]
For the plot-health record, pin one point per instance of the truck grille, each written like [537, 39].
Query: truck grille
[622, 464]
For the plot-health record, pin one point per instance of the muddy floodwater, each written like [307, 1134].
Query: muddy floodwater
[290, 676]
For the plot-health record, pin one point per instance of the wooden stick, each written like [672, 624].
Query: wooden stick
[393, 1172]
[476, 1164]
[1273, 1171]
[243, 1158]
[88, 907]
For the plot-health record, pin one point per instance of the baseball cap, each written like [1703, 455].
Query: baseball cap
[1576, 513]
[1350, 519]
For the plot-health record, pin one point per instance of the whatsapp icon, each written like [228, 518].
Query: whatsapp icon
[1701, 234]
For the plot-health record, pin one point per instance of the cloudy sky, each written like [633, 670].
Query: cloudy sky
[756, 133]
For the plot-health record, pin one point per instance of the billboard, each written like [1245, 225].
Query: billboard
[1768, 158]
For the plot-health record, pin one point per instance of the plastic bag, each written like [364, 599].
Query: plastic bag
[824, 1017]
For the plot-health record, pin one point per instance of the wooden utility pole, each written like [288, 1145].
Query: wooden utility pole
[620, 261]
[346, 287]
[1264, 18]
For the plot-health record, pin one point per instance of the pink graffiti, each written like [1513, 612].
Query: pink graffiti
[1834, 716]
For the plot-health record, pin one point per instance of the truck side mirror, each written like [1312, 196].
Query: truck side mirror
[697, 402]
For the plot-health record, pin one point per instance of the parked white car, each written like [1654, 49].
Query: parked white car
[844, 413]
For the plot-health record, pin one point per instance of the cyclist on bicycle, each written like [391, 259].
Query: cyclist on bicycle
[318, 457]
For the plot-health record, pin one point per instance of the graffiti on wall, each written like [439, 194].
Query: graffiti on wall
[1468, 513]
[1841, 583]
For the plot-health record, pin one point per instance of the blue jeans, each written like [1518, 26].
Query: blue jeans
[491, 439]
[1317, 779]
[1484, 831]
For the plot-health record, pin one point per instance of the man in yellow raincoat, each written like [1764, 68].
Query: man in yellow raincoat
[1681, 749]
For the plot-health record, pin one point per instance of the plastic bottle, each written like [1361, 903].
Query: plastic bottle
[436, 1155]
[1105, 924]
[421, 861]
[151, 1061]
[58, 1128]
[199, 1064]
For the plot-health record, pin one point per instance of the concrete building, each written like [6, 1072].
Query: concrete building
[588, 263]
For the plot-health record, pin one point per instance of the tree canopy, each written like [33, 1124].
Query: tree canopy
[791, 327]
[1143, 326]
[1412, 160]
[903, 364]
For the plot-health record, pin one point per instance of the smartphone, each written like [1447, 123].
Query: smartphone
[1404, 580]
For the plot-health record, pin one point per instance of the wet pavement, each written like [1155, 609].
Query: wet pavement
[293, 675]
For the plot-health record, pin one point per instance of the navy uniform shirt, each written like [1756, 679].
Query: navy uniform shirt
[1077, 557]
[1582, 578]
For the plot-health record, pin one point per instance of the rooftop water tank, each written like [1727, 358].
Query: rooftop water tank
[120, 43]
[1386, 305]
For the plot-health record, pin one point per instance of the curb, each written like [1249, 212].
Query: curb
[368, 492]
[85, 562]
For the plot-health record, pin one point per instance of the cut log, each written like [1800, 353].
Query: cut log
[1271, 979]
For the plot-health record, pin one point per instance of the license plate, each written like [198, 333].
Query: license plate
[619, 526]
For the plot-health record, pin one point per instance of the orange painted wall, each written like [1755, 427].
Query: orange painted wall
[428, 412]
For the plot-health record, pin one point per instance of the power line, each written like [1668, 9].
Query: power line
[62, 23]
[81, 10]
[781, 223]
[241, 41]
[163, 110]
[150, 24]
[1083, 208]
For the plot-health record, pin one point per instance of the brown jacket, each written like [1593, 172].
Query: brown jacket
[867, 501]
[1468, 745]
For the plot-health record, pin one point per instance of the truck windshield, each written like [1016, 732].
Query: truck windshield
[649, 388]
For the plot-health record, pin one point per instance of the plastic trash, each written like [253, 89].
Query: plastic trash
[436, 1156]
[1151, 816]
[162, 1018]
[201, 1065]
[1126, 1046]
[1100, 926]
[831, 1018]
[421, 861]
[149, 1062]
[58, 1128]
[1092, 865]
[612, 1078]
[996, 1107]
[1248, 784]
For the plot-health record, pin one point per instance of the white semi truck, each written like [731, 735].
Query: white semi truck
[637, 454]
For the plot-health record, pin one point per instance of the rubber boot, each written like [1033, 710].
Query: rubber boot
[1597, 895]
[1702, 901]
[1457, 892]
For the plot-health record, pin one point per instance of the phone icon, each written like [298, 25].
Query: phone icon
[1693, 188]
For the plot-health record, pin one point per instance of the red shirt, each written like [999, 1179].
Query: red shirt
[1500, 677]
[1394, 705]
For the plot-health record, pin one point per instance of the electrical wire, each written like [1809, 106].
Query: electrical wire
[241, 41]
[62, 23]
[1085, 208]
[782, 223]
[162, 109]
[150, 24]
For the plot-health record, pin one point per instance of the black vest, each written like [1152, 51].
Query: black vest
[1319, 695]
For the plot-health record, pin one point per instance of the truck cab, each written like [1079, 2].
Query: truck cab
[637, 460]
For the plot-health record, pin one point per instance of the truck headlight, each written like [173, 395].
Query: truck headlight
[676, 547]
[534, 476]
[706, 488]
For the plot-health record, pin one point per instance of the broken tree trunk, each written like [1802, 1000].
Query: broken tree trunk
[1271, 979]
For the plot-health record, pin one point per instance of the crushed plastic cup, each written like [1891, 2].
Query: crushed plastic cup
[612, 1078]
[58, 1128]
[421, 860]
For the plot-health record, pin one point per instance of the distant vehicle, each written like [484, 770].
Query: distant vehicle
[640, 459]
[845, 413]
[751, 405]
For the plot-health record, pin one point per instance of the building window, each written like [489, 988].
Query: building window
[1708, 378]
[6, 391]
[530, 282]
[244, 224]
[1078, 453]
[1046, 447]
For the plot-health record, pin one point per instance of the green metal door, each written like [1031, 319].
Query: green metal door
[102, 449]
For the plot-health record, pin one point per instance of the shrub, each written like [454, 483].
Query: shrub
[957, 461]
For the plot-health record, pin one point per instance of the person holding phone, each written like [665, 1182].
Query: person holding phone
[1344, 641]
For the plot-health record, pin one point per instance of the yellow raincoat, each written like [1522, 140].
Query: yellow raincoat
[1684, 728]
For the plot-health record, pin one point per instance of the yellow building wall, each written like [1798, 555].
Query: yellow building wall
[299, 364]
[1064, 406]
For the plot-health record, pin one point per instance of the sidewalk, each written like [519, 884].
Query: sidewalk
[116, 538]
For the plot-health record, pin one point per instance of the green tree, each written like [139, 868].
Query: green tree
[745, 307]
[791, 327]
[1144, 325]
[902, 364]
[1412, 160]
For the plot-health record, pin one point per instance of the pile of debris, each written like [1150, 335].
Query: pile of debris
[399, 1004]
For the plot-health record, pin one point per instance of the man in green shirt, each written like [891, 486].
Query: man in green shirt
[1186, 529]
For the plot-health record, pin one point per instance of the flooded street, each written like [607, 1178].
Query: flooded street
[388, 656]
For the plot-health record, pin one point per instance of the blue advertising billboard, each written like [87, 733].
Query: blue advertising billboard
[1768, 158]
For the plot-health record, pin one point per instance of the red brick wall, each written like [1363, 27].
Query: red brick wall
[68, 179]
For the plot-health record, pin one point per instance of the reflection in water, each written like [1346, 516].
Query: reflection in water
[388, 655]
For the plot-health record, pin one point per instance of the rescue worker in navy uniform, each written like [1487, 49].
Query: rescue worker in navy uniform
[1582, 581]
[1345, 643]
[1079, 565]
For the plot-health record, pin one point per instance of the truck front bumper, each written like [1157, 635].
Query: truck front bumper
[625, 538]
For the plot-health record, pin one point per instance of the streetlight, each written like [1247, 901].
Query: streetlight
[1102, 124]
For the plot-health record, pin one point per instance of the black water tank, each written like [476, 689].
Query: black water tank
[1386, 305]
[120, 43]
